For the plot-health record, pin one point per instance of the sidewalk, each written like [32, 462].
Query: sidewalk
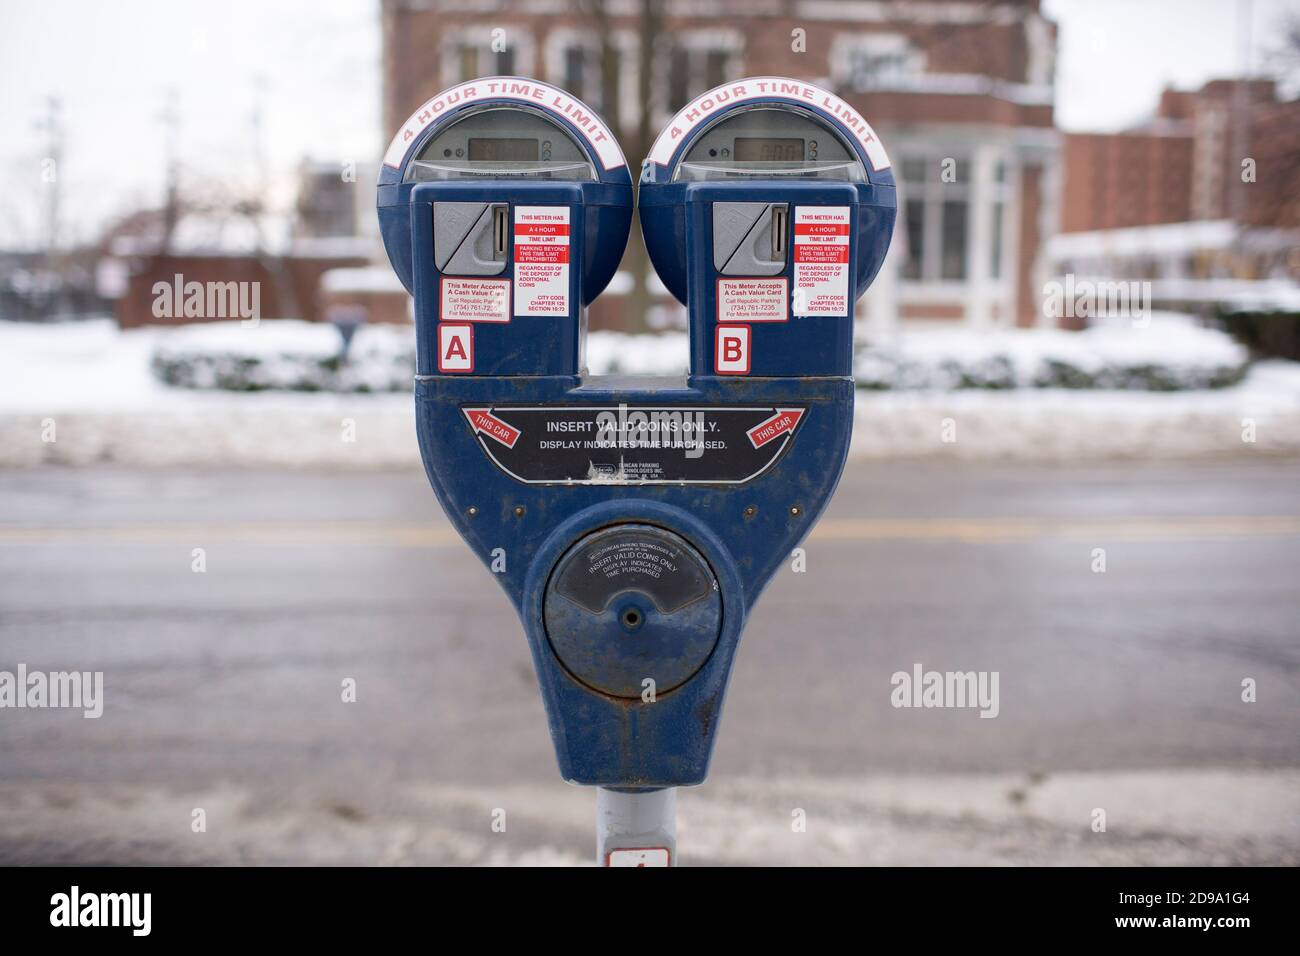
[358, 432]
[1223, 818]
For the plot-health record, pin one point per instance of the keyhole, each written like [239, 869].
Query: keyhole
[631, 619]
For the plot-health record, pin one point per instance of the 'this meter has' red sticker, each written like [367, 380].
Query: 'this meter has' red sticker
[541, 260]
[821, 261]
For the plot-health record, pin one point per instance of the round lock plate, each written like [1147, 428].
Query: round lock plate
[632, 602]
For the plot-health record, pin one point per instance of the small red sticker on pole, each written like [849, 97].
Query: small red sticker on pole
[638, 856]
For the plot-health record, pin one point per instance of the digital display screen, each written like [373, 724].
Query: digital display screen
[497, 150]
[755, 149]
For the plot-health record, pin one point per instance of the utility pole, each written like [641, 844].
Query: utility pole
[276, 266]
[51, 172]
[52, 126]
[170, 118]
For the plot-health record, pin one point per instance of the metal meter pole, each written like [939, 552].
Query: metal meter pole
[636, 828]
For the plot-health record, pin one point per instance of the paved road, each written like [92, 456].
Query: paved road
[1119, 689]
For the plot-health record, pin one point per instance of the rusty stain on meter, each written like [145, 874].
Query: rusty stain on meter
[629, 603]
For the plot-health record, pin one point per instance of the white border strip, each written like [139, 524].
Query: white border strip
[702, 108]
[521, 89]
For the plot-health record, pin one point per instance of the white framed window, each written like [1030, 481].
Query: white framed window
[1000, 199]
[869, 61]
[936, 217]
[573, 62]
[471, 52]
[693, 63]
[957, 213]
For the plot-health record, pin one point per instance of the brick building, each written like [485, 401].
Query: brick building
[1185, 164]
[287, 287]
[219, 252]
[1202, 202]
[960, 92]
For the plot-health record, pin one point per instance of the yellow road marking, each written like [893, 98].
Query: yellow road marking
[305, 534]
[402, 535]
[1020, 529]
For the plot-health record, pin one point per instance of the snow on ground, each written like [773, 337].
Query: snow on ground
[610, 353]
[287, 354]
[1066, 424]
[78, 365]
[90, 388]
[1168, 352]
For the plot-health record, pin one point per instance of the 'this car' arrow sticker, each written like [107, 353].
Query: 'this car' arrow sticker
[485, 423]
[784, 421]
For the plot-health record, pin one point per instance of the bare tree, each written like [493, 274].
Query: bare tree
[649, 26]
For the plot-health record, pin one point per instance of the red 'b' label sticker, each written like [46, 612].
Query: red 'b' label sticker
[821, 261]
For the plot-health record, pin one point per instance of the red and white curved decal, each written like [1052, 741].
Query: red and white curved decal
[533, 92]
[703, 108]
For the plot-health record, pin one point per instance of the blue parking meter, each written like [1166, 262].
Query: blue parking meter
[634, 522]
[504, 205]
[767, 207]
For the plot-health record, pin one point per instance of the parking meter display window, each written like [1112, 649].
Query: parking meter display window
[634, 444]
[768, 149]
[633, 603]
[769, 141]
[500, 149]
[496, 143]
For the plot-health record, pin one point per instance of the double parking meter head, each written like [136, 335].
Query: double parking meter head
[633, 523]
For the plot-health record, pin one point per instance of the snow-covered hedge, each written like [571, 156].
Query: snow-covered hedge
[1170, 354]
[285, 354]
[303, 356]
[612, 353]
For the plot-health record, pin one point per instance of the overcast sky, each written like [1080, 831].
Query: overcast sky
[114, 64]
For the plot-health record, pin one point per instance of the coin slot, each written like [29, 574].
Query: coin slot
[780, 219]
[499, 229]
